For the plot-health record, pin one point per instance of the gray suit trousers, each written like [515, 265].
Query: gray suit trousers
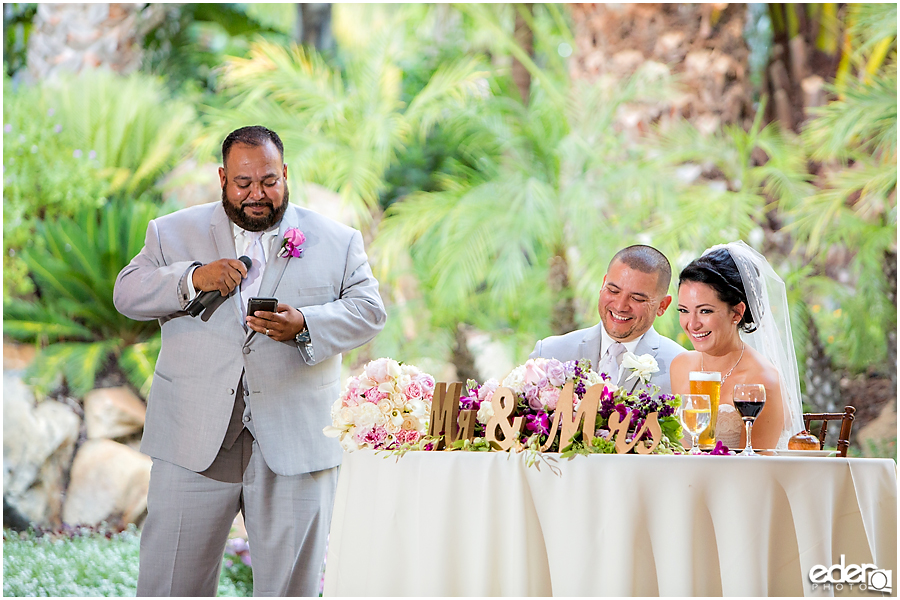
[190, 515]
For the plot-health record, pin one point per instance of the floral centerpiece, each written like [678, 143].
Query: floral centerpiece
[386, 406]
[538, 383]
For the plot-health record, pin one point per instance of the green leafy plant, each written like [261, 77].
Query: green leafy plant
[74, 264]
[89, 562]
[132, 124]
[74, 143]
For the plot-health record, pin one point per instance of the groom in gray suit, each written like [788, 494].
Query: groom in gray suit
[634, 293]
[238, 402]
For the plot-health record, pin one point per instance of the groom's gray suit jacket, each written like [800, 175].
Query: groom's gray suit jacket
[585, 343]
[200, 364]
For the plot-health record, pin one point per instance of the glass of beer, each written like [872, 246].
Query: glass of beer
[709, 383]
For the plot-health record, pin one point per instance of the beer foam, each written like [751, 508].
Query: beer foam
[705, 376]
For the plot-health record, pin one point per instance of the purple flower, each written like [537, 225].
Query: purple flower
[469, 403]
[720, 449]
[8, 128]
[92, 155]
[531, 394]
[51, 112]
[556, 373]
[57, 128]
[77, 154]
[538, 423]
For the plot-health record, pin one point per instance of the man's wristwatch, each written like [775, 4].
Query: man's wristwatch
[303, 336]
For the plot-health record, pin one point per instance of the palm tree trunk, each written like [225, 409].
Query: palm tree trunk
[314, 25]
[823, 391]
[525, 38]
[890, 275]
[67, 38]
[462, 358]
[562, 317]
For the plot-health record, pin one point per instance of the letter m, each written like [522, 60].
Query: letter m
[444, 413]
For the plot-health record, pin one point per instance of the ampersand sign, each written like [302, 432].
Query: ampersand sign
[504, 404]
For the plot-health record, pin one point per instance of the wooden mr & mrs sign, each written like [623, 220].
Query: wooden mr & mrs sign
[504, 427]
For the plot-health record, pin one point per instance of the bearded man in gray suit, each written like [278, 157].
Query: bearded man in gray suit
[634, 293]
[238, 402]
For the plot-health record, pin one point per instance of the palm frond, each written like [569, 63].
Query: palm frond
[78, 363]
[139, 361]
[865, 118]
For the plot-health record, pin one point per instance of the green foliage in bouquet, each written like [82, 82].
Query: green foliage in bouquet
[74, 264]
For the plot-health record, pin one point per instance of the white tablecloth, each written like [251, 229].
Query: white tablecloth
[485, 524]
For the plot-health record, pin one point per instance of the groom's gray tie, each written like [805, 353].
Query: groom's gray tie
[612, 360]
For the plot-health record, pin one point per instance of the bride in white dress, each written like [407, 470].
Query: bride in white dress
[733, 307]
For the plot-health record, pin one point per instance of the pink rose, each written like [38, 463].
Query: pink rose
[381, 370]
[413, 391]
[486, 391]
[533, 373]
[550, 397]
[427, 382]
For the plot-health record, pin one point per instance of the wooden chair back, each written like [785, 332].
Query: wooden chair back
[846, 419]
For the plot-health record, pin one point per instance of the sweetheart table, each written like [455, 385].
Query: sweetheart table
[486, 524]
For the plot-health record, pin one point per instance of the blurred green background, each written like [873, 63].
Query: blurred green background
[495, 157]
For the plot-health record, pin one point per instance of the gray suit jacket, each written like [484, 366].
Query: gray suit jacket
[200, 364]
[585, 343]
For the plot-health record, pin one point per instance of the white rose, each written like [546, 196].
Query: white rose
[391, 427]
[594, 378]
[642, 366]
[516, 380]
[368, 415]
[485, 412]
[347, 415]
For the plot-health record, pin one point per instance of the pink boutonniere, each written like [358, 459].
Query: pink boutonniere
[290, 245]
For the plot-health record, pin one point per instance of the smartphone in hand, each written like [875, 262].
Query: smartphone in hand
[255, 304]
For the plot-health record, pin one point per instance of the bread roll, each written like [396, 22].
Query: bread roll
[803, 441]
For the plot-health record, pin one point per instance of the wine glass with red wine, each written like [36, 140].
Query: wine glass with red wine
[749, 399]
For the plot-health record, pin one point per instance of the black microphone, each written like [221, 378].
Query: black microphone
[202, 301]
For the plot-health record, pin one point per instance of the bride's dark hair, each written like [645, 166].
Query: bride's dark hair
[719, 271]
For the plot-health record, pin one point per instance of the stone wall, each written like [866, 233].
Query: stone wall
[66, 464]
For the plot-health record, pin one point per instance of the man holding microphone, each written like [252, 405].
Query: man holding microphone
[238, 402]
